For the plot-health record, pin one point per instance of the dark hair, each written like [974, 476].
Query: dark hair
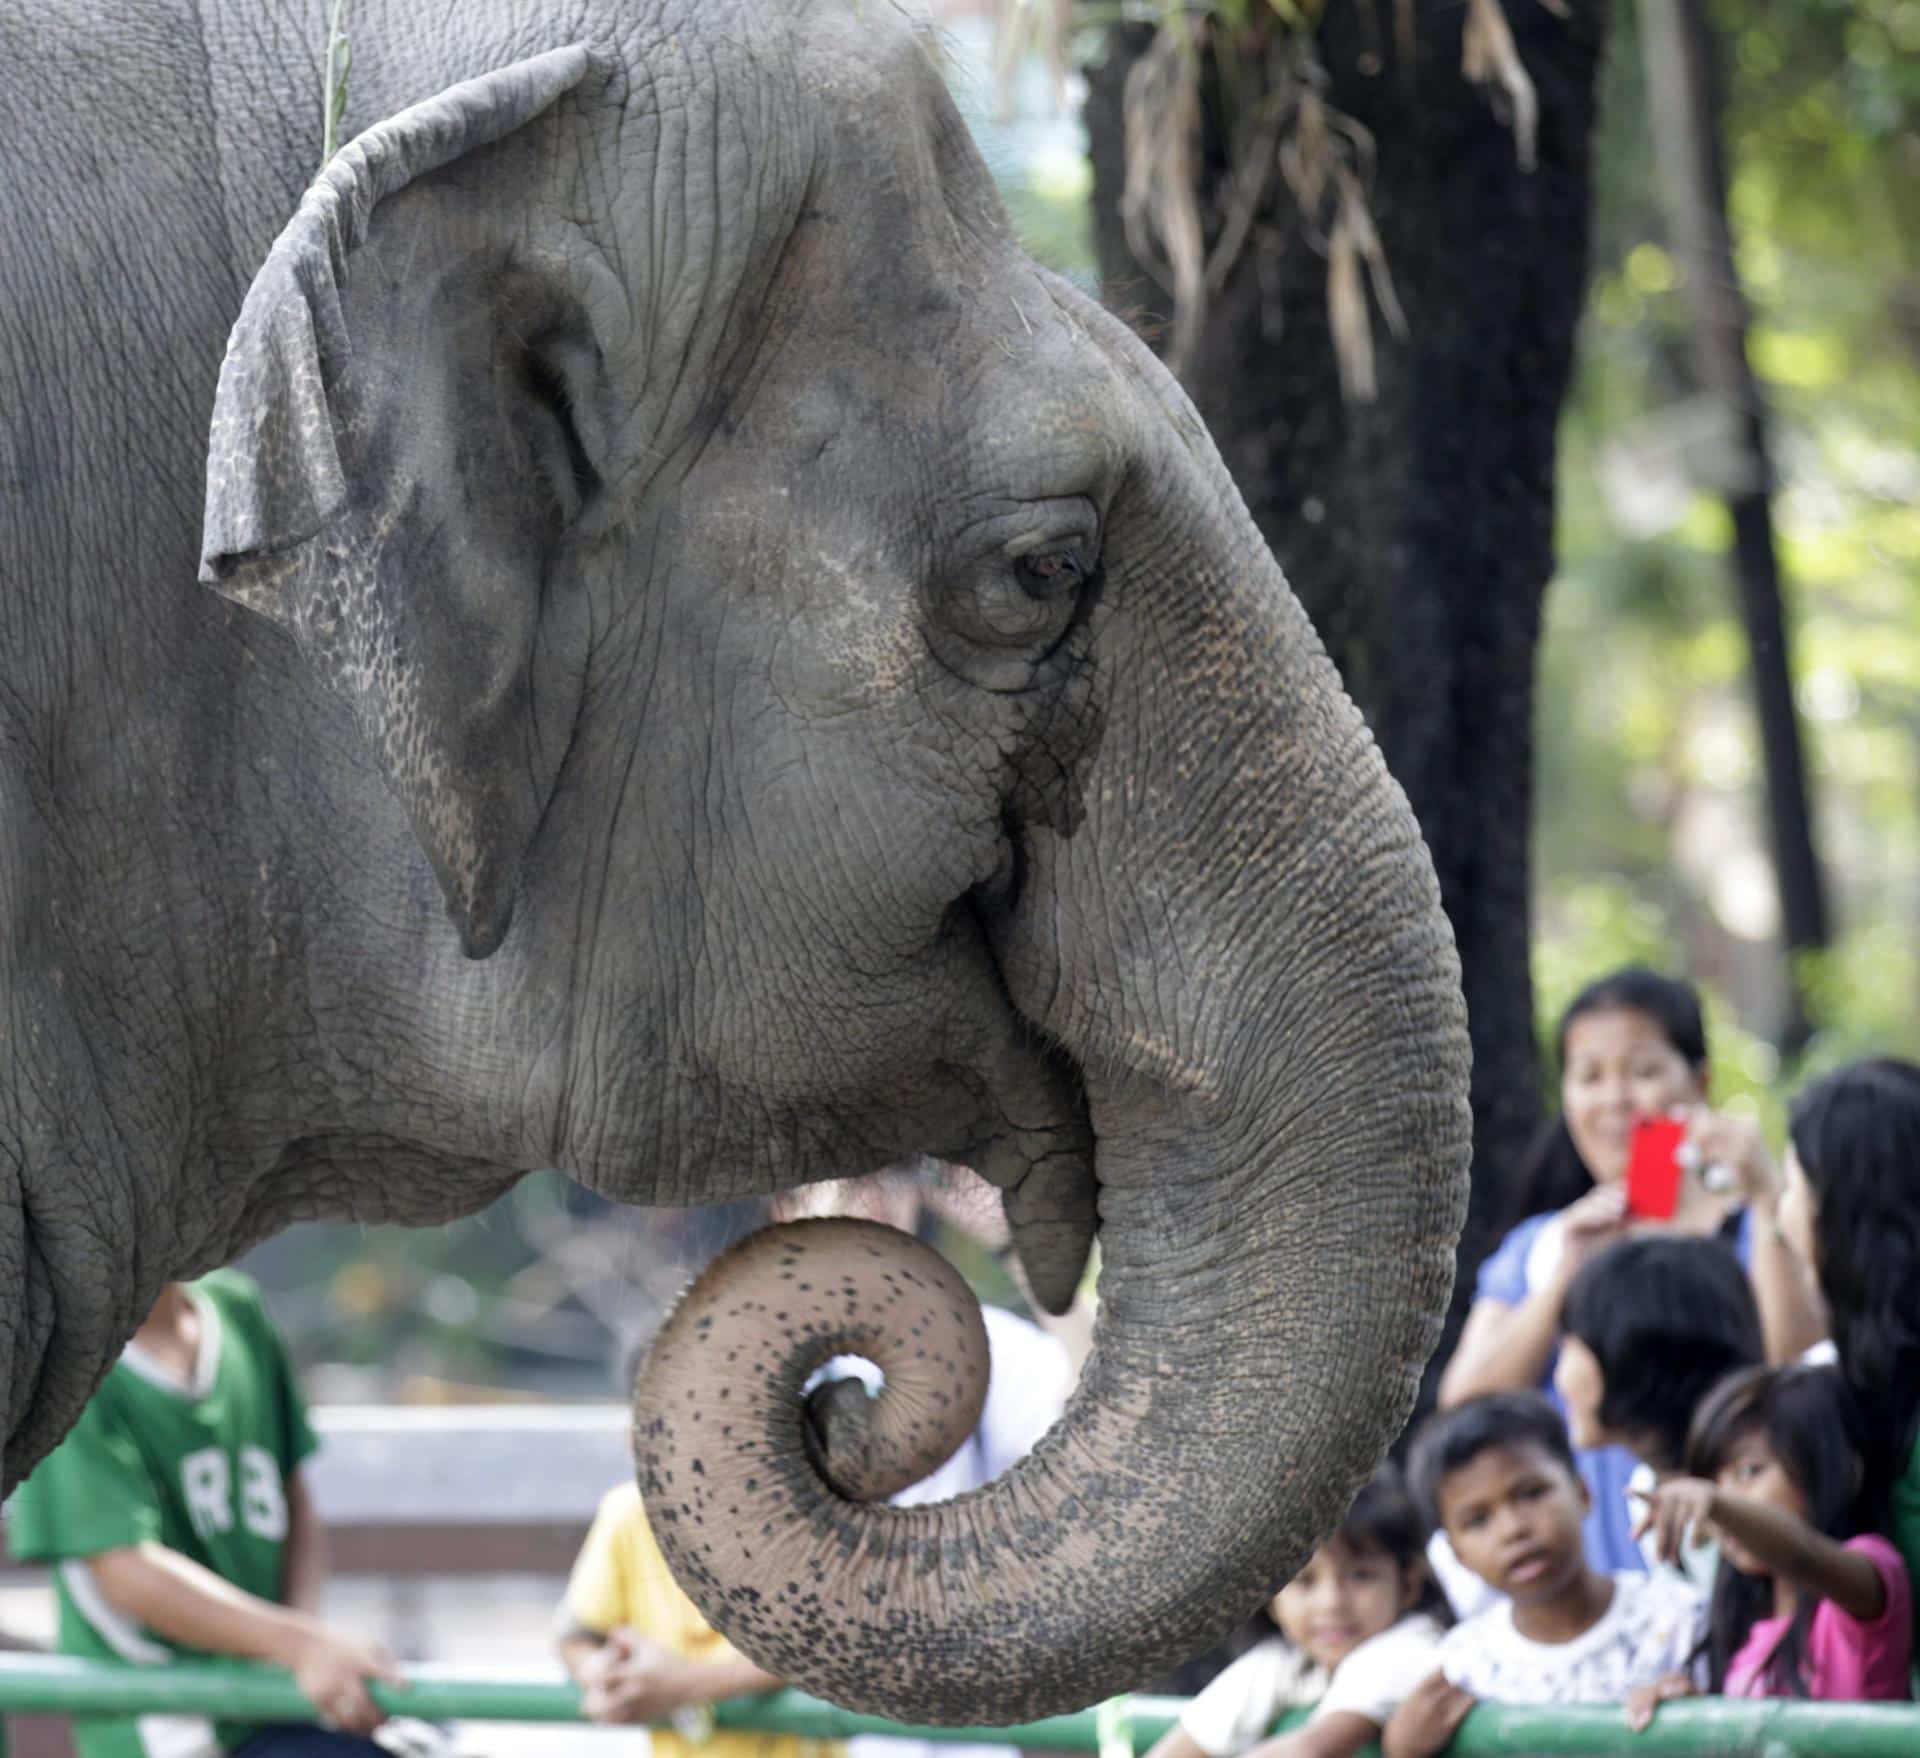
[1666, 1318]
[1553, 1174]
[1811, 1422]
[1383, 1518]
[1857, 1133]
[1450, 1440]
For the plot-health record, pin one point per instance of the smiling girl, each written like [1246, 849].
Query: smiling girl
[1359, 1627]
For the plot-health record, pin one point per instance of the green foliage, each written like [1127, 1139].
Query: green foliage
[1650, 820]
[333, 92]
[1032, 146]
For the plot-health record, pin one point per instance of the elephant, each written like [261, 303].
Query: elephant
[665, 647]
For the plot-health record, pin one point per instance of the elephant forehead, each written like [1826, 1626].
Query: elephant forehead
[816, 592]
[913, 435]
[896, 173]
[861, 642]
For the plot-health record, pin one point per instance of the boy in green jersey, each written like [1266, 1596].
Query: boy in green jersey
[179, 1524]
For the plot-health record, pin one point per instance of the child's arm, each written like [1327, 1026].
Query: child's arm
[1783, 1542]
[1339, 1734]
[303, 1568]
[1428, 1720]
[710, 1681]
[188, 1604]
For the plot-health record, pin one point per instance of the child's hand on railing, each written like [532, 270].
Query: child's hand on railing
[632, 1681]
[1427, 1721]
[1643, 1700]
[332, 1670]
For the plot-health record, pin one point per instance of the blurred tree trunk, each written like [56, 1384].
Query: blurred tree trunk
[1417, 528]
[1683, 101]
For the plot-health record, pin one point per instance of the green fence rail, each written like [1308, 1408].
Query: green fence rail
[1727, 1728]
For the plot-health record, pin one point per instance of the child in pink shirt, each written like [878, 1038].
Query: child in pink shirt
[1803, 1605]
[1846, 1659]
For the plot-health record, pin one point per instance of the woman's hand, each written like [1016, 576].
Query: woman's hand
[1675, 1508]
[1715, 1138]
[1587, 1227]
[1643, 1700]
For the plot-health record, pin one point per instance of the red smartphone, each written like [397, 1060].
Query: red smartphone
[1653, 1167]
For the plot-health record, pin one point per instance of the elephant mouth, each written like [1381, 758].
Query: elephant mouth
[1053, 1214]
[1041, 1160]
[1041, 1156]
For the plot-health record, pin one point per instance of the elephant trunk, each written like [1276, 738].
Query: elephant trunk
[1235, 933]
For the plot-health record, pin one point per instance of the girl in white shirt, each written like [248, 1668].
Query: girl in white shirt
[1359, 1626]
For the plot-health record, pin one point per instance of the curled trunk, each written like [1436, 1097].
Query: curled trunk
[1237, 936]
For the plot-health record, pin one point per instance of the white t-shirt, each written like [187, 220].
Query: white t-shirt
[1236, 1709]
[1379, 1675]
[1651, 1628]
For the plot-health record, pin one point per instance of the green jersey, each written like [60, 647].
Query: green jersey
[200, 1468]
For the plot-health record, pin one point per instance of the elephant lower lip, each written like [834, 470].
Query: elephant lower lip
[1037, 1147]
[1054, 1213]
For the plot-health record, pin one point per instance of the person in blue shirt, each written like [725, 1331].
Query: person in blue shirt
[1632, 1045]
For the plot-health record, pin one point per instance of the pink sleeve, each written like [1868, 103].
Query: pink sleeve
[1849, 1661]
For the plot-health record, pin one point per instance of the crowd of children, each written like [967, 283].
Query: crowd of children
[1672, 1457]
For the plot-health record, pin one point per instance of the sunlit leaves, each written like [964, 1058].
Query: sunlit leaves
[1646, 731]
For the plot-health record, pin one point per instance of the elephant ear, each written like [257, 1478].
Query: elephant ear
[355, 497]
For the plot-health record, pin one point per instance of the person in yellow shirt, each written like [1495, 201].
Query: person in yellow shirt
[641, 1653]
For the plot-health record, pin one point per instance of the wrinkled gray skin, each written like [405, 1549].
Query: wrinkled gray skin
[718, 673]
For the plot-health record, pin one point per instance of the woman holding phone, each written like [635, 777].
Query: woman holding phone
[1632, 1050]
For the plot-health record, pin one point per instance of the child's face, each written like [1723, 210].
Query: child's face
[1753, 1469]
[1513, 1515]
[1342, 1596]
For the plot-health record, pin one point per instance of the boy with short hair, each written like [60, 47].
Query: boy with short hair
[1498, 1474]
[178, 1521]
[1650, 1326]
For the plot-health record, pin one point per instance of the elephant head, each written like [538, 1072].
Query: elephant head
[848, 712]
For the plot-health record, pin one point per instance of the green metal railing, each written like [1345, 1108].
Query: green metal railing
[52, 1684]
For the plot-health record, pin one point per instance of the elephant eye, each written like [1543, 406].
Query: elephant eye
[1012, 600]
[1048, 573]
[1015, 608]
